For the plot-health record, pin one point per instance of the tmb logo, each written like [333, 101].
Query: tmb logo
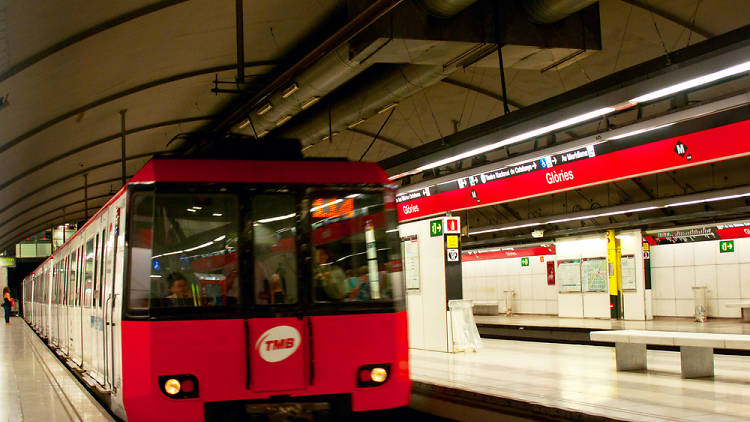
[278, 343]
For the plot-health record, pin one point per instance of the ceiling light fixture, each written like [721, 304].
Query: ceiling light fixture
[244, 123]
[692, 83]
[283, 120]
[386, 108]
[265, 108]
[354, 124]
[513, 139]
[262, 134]
[291, 89]
[307, 104]
[639, 131]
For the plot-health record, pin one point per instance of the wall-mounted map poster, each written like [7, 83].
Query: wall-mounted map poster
[627, 265]
[568, 275]
[594, 274]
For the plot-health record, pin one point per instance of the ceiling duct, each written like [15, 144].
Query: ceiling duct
[445, 8]
[341, 65]
[413, 50]
[550, 11]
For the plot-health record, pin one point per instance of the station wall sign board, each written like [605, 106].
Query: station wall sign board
[502, 254]
[699, 234]
[6, 261]
[594, 164]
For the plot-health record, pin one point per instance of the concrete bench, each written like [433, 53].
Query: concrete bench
[696, 349]
[744, 305]
[486, 307]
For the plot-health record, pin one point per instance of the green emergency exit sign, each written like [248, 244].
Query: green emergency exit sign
[726, 246]
[436, 228]
[524, 262]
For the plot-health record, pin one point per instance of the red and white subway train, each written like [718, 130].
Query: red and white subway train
[223, 289]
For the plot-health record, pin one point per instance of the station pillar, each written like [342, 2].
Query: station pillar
[432, 273]
[614, 254]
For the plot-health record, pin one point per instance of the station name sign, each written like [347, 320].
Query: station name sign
[586, 166]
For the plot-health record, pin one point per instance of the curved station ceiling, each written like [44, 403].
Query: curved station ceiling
[404, 83]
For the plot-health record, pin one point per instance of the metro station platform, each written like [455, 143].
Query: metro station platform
[576, 330]
[35, 386]
[554, 382]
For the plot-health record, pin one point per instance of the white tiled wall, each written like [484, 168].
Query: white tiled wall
[488, 279]
[675, 269]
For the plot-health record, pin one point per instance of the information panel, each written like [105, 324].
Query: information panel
[594, 274]
[568, 275]
[627, 265]
[411, 262]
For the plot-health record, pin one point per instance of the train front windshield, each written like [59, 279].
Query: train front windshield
[231, 249]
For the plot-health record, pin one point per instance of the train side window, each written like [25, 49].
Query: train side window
[352, 260]
[274, 255]
[88, 273]
[103, 247]
[72, 277]
[79, 281]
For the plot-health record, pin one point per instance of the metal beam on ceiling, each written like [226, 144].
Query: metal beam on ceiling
[670, 17]
[78, 173]
[480, 90]
[687, 63]
[100, 141]
[387, 140]
[58, 196]
[86, 33]
[124, 93]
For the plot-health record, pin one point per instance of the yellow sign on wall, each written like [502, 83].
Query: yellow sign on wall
[451, 241]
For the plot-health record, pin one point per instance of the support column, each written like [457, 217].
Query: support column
[630, 357]
[122, 129]
[614, 254]
[696, 362]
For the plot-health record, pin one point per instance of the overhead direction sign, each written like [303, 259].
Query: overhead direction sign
[599, 163]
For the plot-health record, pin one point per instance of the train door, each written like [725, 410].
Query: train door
[65, 334]
[76, 346]
[279, 352]
[87, 314]
[53, 327]
[97, 344]
[108, 296]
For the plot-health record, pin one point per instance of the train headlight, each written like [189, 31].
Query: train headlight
[373, 375]
[378, 374]
[172, 387]
[183, 386]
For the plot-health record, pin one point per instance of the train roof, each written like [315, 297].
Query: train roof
[191, 170]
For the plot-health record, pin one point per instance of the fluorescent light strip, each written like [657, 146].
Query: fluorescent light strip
[307, 104]
[279, 218]
[220, 238]
[720, 198]
[505, 228]
[638, 132]
[518, 138]
[692, 83]
[607, 214]
[291, 89]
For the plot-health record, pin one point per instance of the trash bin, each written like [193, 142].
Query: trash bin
[699, 297]
[509, 302]
[463, 327]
